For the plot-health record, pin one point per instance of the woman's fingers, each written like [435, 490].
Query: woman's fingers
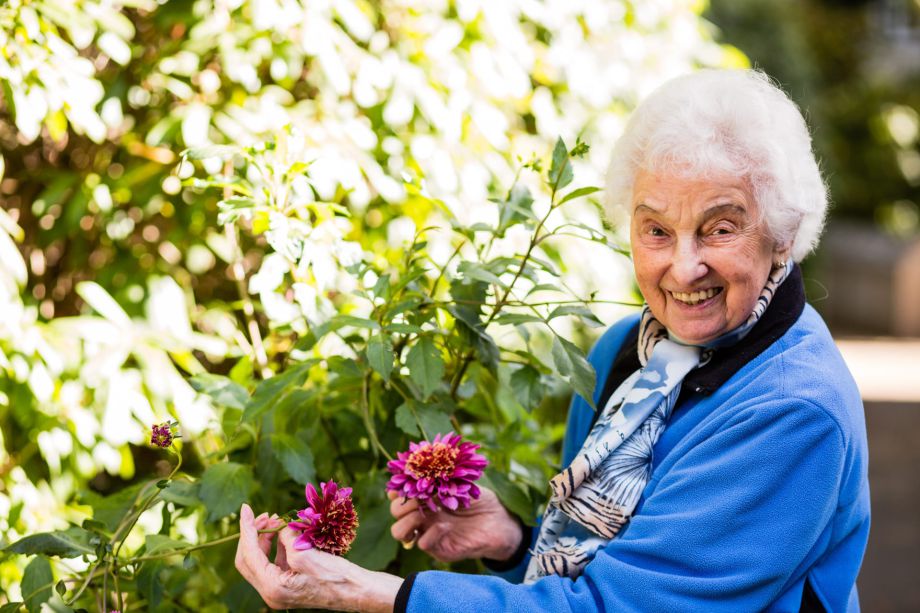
[399, 507]
[407, 527]
[251, 560]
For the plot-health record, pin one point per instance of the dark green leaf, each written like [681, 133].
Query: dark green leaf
[70, 543]
[111, 509]
[37, 582]
[11, 607]
[149, 585]
[517, 318]
[60, 587]
[182, 493]
[222, 390]
[578, 193]
[158, 543]
[243, 598]
[374, 548]
[577, 310]
[433, 421]
[511, 494]
[380, 356]
[405, 419]
[270, 391]
[560, 171]
[295, 455]
[224, 487]
[426, 366]
[527, 386]
[574, 368]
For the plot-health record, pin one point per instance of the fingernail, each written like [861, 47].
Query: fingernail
[246, 512]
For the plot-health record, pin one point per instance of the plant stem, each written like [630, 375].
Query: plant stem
[185, 550]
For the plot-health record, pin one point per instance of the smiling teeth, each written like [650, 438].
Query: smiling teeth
[696, 297]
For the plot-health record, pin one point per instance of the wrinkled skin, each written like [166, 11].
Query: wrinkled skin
[307, 579]
[484, 530]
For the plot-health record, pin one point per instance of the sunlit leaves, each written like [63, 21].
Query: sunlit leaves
[560, 171]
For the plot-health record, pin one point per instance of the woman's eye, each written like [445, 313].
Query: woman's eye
[655, 231]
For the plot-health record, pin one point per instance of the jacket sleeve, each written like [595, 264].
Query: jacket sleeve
[727, 527]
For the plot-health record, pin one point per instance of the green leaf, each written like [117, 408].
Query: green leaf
[374, 548]
[476, 272]
[528, 387]
[574, 368]
[182, 493]
[405, 419]
[224, 487]
[340, 321]
[270, 390]
[70, 543]
[517, 207]
[111, 509]
[37, 582]
[222, 390]
[578, 193]
[295, 455]
[426, 366]
[380, 356]
[433, 421]
[577, 310]
[149, 585]
[158, 543]
[510, 493]
[11, 607]
[560, 171]
[517, 318]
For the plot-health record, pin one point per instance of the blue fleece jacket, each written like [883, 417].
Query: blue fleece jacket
[755, 488]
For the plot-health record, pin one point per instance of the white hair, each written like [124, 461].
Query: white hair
[727, 121]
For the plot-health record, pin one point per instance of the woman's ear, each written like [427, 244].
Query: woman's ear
[781, 254]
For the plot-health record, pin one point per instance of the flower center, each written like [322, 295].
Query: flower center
[433, 461]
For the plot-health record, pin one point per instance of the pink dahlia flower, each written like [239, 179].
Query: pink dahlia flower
[329, 522]
[439, 472]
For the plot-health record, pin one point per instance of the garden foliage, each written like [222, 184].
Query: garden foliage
[308, 232]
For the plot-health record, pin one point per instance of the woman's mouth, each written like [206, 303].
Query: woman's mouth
[696, 298]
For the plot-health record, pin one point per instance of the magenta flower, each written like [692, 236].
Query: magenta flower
[162, 435]
[329, 522]
[439, 472]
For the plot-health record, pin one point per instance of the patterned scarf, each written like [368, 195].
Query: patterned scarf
[595, 496]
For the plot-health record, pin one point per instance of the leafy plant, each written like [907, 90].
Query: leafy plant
[419, 345]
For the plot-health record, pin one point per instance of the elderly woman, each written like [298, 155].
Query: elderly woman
[725, 468]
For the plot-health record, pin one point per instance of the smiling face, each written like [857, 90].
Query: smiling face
[702, 256]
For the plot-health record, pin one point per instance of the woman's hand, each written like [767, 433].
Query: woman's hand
[310, 578]
[484, 530]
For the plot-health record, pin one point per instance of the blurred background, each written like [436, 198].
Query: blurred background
[115, 280]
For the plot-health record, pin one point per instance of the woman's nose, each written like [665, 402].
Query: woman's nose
[687, 264]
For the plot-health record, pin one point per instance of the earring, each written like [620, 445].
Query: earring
[781, 264]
